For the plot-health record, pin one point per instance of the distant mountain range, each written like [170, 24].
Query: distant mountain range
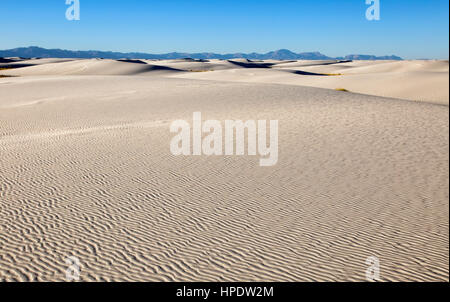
[282, 54]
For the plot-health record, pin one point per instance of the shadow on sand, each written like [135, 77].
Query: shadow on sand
[251, 64]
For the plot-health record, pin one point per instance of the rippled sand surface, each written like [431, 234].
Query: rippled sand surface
[86, 171]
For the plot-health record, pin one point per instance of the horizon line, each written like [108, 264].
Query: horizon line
[318, 52]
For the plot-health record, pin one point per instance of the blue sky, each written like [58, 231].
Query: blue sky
[411, 29]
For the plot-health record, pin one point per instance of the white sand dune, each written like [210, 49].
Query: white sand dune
[92, 67]
[412, 80]
[426, 81]
[18, 61]
[86, 171]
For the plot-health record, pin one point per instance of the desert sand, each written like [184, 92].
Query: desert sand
[86, 171]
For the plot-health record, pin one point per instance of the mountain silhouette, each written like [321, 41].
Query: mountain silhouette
[282, 54]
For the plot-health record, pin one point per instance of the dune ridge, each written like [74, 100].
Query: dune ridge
[412, 80]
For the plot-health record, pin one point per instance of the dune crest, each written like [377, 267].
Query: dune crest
[421, 80]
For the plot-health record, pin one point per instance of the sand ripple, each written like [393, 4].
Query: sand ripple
[93, 177]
